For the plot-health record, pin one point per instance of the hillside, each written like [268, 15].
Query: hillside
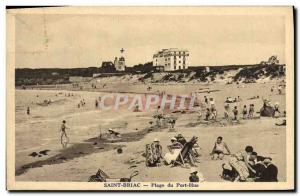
[225, 74]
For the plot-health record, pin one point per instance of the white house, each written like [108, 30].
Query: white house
[172, 59]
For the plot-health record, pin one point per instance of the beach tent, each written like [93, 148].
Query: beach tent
[267, 111]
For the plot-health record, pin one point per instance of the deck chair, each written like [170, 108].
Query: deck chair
[186, 153]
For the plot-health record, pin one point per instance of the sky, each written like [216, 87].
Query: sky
[69, 41]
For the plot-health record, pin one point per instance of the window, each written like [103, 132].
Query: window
[183, 67]
[179, 67]
[169, 64]
[169, 58]
[179, 61]
[165, 59]
[175, 67]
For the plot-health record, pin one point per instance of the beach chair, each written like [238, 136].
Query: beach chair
[186, 153]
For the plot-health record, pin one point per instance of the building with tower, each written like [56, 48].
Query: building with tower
[120, 62]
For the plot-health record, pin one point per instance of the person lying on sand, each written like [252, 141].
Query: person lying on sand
[220, 149]
[283, 123]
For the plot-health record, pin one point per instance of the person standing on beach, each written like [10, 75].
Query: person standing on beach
[235, 113]
[251, 110]
[63, 132]
[96, 103]
[245, 112]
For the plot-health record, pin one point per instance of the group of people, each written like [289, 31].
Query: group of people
[154, 155]
[211, 111]
[248, 166]
[233, 100]
[81, 103]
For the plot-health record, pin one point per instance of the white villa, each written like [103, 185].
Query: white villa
[171, 59]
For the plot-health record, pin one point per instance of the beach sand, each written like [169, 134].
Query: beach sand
[82, 157]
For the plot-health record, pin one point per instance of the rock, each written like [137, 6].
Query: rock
[33, 154]
[119, 150]
[44, 152]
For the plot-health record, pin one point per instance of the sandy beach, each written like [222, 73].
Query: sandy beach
[85, 153]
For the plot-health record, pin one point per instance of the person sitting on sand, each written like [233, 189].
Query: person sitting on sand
[251, 111]
[156, 150]
[175, 144]
[63, 132]
[219, 150]
[193, 175]
[235, 113]
[181, 139]
[256, 162]
[245, 112]
[269, 174]
[276, 108]
[240, 162]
